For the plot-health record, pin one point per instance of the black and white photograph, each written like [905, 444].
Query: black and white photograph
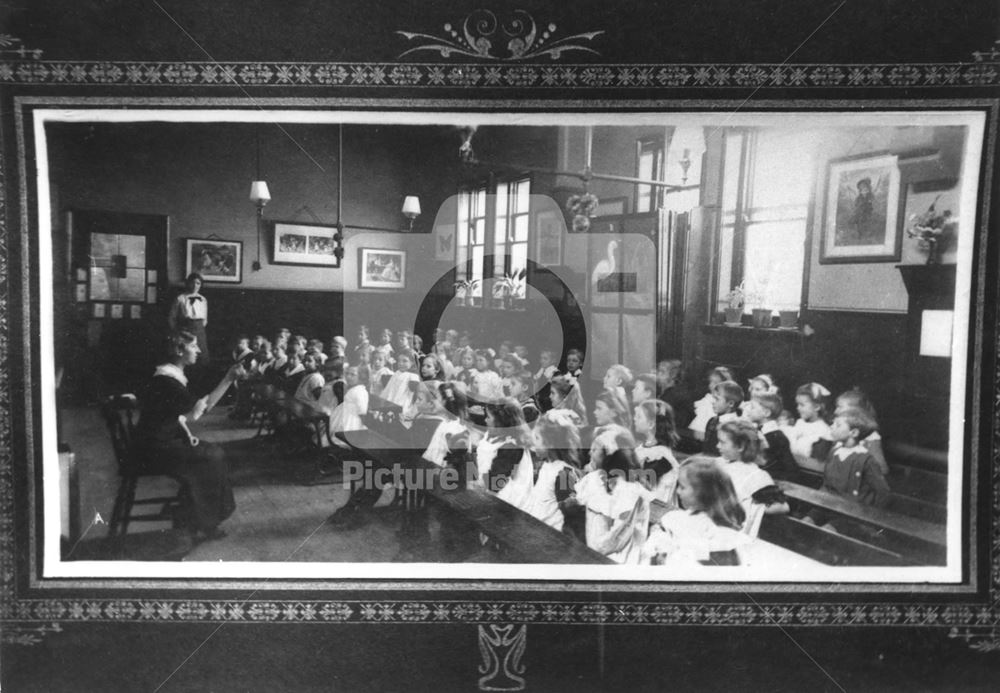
[554, 325]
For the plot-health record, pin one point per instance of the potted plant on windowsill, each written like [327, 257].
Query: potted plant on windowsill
[501, 292]
[516, 284]
[735, 300]
[464, 289]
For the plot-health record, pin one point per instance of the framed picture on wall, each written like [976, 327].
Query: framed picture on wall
[379, 268]
[863, 210]
[306, 244]
[214, 259]
[611, 207]
[549, 229]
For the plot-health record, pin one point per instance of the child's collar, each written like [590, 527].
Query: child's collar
[769, 426]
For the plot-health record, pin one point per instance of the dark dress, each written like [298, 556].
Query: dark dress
[680, 401]
[163, 448]
[778, 459]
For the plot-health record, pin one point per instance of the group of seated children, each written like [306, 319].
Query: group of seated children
[526, 434]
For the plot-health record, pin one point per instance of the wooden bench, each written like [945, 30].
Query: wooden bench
[824, 546]
[522, 537]
[919, 541]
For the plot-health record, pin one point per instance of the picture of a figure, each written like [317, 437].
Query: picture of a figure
[382, 269]
[861, 209]
[213, 260]
[292, 243]
[321, 245]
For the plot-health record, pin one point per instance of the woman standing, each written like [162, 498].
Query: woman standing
[165, 445]
[190, 314]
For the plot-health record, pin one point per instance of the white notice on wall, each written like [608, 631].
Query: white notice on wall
[935, 332]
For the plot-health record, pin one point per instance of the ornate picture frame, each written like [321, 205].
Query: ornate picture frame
[465, 78]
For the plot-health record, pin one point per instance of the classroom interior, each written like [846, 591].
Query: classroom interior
[748, 203]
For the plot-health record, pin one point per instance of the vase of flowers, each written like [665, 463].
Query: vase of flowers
[464, 289]
[735, 300]
[930, 229]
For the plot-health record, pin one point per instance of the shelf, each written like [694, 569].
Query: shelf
[750, 331]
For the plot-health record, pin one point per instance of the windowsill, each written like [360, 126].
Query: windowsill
[749, 330]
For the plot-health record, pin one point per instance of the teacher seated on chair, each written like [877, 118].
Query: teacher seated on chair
[166, 445]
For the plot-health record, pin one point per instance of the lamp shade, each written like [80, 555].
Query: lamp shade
[411, 207]
[259, 192]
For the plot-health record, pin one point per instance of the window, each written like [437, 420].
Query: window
[505, 231]
[510, 237]
[649, 166]
[767, 182]
[471, 236]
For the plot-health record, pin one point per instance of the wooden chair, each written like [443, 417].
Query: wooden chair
[121, 414]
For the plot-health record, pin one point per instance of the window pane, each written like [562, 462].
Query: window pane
[783, 168]
[731, 171]
[479, 232]
[521, 227]
[775, 254]
[477, 269]
[463, 208]
[519, 259]
[523, 196]
[725, 265]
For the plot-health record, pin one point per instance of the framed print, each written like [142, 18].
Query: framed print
[549, 231]
[444, 248]
[306, 244]
[380, 268]
[216, 260]
[863, 204]
[611, 207]
[758, 157]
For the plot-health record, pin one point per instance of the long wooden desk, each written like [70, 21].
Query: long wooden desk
[522, 536]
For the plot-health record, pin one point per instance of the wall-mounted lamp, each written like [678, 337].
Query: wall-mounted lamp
[260, 196]
[685, 163]
[411, 208]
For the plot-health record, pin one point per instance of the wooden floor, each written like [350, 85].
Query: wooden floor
[280, 509]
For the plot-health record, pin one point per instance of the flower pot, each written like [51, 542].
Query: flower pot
[761, 317]
[788, 319]
[499, 301]
[462, 299]
[734, 316]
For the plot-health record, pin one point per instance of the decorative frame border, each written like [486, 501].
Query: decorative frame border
[976, 619]
[579, 77]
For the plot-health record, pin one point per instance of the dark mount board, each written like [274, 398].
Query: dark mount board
[773, 54]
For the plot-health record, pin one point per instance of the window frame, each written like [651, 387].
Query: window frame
[743, 220]
[490, 269]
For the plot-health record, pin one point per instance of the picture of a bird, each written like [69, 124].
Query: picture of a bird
[605, 267]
